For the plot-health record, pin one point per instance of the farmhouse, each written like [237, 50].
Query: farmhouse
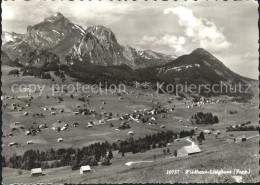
[189, 150]
[36, 172]
[84, 169]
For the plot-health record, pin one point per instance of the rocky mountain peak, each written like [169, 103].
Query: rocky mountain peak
[200, 51]
[102, 33]
[56, 17]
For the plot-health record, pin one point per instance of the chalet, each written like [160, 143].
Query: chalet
[84, 169]
[59, 140]
[28, 133]
[29, 142]
[90, 125]
[36, 172]
[130, 133]
[17, 123]
[12, 144]
[63, 128]
[207, 131]
[43, 126]
[189, 150]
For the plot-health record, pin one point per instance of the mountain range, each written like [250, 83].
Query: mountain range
[71, 43]
[96, 51]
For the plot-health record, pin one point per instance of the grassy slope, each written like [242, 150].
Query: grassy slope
[217, 152]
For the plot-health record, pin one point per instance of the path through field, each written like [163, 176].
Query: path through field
[130, 163]
[252, 137]
[102, 134]
[192, 143]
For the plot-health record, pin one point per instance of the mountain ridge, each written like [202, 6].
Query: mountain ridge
[59, 35]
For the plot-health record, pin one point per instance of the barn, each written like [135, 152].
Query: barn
[189, 150]
[84, 169]
[36, 172]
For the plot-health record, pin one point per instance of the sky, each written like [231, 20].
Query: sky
[227, 29]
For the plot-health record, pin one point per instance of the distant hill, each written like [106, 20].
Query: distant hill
[198, 67]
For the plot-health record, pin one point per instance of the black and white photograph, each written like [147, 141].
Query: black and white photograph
[112, 92]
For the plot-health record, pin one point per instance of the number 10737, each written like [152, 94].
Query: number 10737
[172, 172]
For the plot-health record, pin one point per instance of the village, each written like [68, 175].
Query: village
[33, 122]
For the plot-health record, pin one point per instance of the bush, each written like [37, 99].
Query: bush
[105, 161]
[14, 72]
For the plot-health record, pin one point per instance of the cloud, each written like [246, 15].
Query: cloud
[176, 43]
[203, 32]
[249, 56]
